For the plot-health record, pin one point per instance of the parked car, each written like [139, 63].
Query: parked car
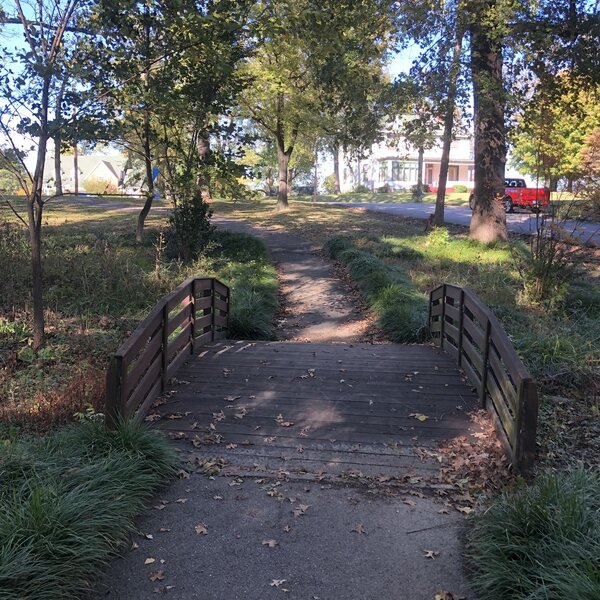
[518, 195]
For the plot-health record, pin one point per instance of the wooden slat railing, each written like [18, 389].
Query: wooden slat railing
[466, 328]
[195, 312]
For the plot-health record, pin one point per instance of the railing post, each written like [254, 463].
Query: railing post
[484, 369]
[228, 310]
[212, 309]
[443, 326]
[193, 316]
[115, 382]
[165, 347]
[461, 313]
[524, 452]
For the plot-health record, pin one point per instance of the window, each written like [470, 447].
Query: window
[453, 172]
[383, 171]
[408, 171]
[395, 170]
[471, 174]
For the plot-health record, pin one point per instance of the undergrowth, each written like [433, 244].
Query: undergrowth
[542, 542]
[68, 502]
[99, 283]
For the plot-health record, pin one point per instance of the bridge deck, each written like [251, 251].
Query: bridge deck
[317, 408]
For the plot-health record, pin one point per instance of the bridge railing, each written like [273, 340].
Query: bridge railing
[464, 327]
[195, 312]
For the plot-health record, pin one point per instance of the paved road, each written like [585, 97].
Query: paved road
[518, 222]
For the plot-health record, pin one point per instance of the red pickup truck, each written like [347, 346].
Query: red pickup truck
[518, 195]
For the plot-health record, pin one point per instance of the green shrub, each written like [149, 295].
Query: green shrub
[329, 184]
[361, 189]
[459, 188]
[190, 230]
[401, 309]
[67, 504]
[541, 542]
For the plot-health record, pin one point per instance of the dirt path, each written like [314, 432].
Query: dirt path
[317, 305]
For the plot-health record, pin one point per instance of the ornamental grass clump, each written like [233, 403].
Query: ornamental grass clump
[68, 503]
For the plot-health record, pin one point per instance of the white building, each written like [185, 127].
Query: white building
[393, 165]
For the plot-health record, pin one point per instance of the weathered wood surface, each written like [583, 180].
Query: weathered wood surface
[468, 330]
[352, 407]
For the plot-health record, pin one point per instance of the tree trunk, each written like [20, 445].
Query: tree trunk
[35, 207]
[488, 222]
[75, 169]
[268, 180]
[203, 149]
[139, 232]
[283, 161]
[315, 173]
[419, 194]
[58, 189]
[336, 168]
[438, 216]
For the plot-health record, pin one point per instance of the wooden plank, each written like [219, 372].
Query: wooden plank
[436, 310]
[476, 334]
[183, 316]
[220, 288]
[527, 425]
[141, 334]
[179, 294]
[507, 421]
[114, 400]
[201, 285]
[436, 326]
[204, 321]
[436, 294]
[220, 334]
[146, 383]
[473, 305]
[203, 303]
[472, 375]
[453, 312]
[183, 355]
[141, 365]
[498, 395]
[144, 407]
[179, 342]
[451, 348]
[220, 321]
[506, 385]
[452, 331]
[472, 354]
[453, 291]
[507, 352]
[203, 338]
[221, 304]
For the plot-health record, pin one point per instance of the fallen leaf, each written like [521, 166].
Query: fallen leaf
[181, 500]
[277, 582]
[418, 416]
[269, 440]
[218, 416]
[164, 530]
[360, 528]
[431, 553]
[231, 398]
[134, 545]
[231, 446]
[148, 536]
[270, 543]
[241, 413]
[157, 576]
[201, 529]
[300, 510]
[287, 529]
[467, 510]
[149, 561]
[282, 422]
[409, 502]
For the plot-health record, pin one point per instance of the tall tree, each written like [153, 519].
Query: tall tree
[27, 89]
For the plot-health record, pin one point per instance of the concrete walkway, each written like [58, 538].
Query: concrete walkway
[518, 222]
[242, 523]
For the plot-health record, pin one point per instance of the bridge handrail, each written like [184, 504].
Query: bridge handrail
[195, 312]
[461, 324]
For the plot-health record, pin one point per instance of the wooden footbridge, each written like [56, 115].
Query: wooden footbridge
[320, 408]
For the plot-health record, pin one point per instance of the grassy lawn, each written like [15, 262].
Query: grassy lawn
[454, 199]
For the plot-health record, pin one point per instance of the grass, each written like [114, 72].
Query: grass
[542, 542]
[68, 502]
[99, 283]
[452, 199]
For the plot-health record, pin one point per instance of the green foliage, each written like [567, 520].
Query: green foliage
[68, 503]
[459, 188]
[540, 542]
[190, 229]
[401, 309]
[363, 189]
[329, 184]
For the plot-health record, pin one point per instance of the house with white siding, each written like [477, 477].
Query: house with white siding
[392, 165]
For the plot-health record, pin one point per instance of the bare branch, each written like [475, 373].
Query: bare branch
[13, 209]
